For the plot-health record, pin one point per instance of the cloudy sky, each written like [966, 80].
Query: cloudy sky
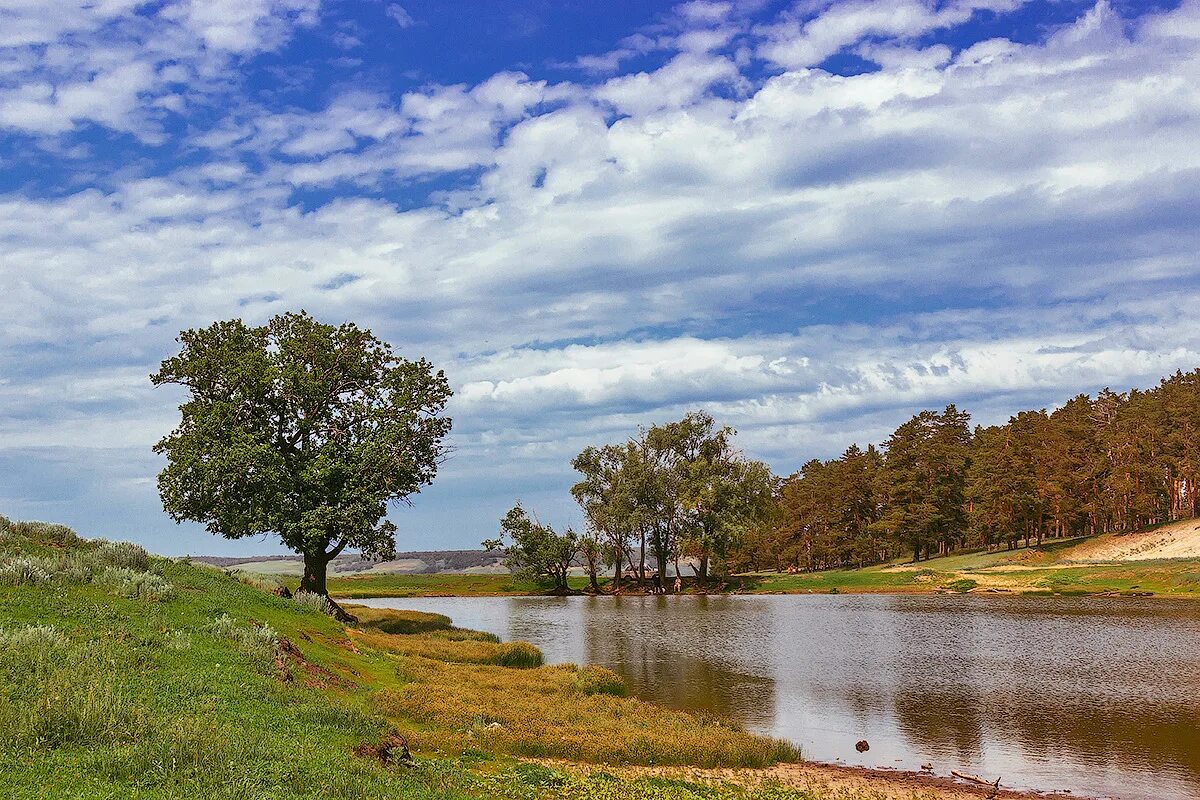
[811, 218]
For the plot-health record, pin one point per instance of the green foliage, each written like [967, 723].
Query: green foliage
[136, 585]
[33, 638]
[1115, 462]
[924, 481]
[300, 429]
[317, 602]
[680, 488]
[27, 571]
[260, 641]
[521, 655]
[533, 549]
[962, 585]
[599, 680]
[122, 554]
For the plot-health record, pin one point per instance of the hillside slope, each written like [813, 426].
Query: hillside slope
[1175, 540]
[124, 675]
[1160, 561]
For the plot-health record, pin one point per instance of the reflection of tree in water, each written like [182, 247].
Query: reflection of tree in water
[1039, 726]
[660, 669]
[1098, 691]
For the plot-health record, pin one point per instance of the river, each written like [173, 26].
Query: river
[1100, 696]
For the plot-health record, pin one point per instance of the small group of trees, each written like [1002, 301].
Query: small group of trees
[675, 490]
[1110, 463]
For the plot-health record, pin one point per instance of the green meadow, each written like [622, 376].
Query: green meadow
[126, 675]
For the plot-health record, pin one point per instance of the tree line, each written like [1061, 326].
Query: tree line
[1116, 462]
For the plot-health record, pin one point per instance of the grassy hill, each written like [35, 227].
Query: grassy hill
[124, 675]
[1143, 563]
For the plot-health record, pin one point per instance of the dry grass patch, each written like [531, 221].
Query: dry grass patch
[552, 712]
[454, 647]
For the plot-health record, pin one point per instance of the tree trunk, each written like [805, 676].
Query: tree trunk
[616, 581]
[315, 565]
[642, 561]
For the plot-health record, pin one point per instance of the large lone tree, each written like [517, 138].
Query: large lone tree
[300, 429]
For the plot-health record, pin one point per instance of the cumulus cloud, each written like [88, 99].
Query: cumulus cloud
[123, 64]
[810, 255]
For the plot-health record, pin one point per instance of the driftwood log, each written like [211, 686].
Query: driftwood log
[994, 785]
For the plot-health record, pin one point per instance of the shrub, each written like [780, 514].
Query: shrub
[122, 554]
[74, 568]
[25, 571]
[135, 585]
[517, 654]
[598, 680]
[261, 641]
[962, 585]
[32, 637]
[315, 601]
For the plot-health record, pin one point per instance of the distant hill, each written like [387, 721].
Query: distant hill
[415, 562]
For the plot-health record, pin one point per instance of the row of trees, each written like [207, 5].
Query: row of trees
[672, 491]
[1109, 463]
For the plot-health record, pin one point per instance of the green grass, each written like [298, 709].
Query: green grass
[438, 585]
[1027, 571]
[220, 689]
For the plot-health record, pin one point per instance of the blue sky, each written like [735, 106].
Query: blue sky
[811, 218]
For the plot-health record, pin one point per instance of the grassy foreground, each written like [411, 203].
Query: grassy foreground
[122, 675]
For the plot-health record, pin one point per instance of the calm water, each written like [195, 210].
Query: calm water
[1099, 696]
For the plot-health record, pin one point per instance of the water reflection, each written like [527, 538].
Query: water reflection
[1098, 696]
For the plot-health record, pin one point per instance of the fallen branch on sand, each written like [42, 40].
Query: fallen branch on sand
[995, 785]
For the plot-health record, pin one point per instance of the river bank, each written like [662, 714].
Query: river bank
[974, 573]
[829, 779]
[983, 685]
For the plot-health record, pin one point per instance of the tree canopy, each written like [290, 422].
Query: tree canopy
[301, 429]
[1115, 462]
[535, 550]
[677, 489]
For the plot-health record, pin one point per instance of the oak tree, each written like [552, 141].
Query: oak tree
[301, 429]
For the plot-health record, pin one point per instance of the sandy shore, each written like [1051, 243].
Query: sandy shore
[832, 780]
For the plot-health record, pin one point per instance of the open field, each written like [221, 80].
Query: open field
[1132, 564]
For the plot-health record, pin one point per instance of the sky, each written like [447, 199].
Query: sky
[812, 219]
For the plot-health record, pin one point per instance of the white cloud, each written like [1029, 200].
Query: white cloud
[122, 63]
[400, 16]
[806, 40]
[609, 252]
